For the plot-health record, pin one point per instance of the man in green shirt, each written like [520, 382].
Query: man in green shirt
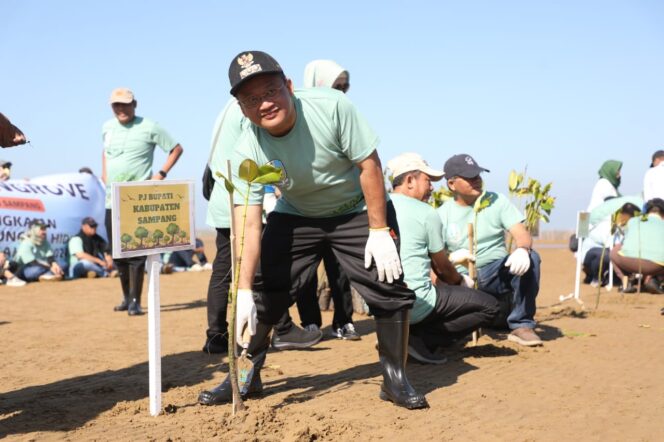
[514, 276]
[129, 144]
[333, 197]
[87, 252]
[446, 307]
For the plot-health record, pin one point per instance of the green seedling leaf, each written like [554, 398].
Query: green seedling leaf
[268, 174]
[513, 181]
[248, 170]
[230, 188]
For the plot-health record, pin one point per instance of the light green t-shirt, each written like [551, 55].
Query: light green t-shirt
[228, 126]
[74, 246]
[492, 222]
[651, 233]
[319, 156]
[129, 150]
[421, 234]
[28, 252]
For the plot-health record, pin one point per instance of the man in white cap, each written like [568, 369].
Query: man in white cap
[446, 308]
[129, 145]
[511, 276]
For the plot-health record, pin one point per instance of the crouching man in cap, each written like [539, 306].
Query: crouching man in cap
[446, 308]
[514, 276]
[333, 198]
[87, 252]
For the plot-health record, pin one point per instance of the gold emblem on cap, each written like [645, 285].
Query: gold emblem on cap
[245, 60]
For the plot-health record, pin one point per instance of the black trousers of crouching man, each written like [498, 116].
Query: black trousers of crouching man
[292, 247]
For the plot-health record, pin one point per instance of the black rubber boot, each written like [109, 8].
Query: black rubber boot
[392, 332]
[122, 307]
[257, 351]
[136, 276]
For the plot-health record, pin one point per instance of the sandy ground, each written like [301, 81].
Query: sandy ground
[72, 369]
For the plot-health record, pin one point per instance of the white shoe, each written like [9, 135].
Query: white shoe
[196, 268]
[50, 277]
[207, 266]
[15, 281]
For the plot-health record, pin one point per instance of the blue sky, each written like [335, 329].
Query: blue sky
[557, 86]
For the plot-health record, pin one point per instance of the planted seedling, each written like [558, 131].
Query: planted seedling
[250, 173]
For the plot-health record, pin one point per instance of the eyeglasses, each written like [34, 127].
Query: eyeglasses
[342, 87]
[255, 100]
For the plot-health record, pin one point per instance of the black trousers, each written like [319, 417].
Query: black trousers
[591, 263]
[220, 281]
[307, 299]
[293, 246]
[458, 311]
[130, 270]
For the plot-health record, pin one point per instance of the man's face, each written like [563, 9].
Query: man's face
[420, 187]
[89, 230]
[42, 233]
[466, 188]
[341, 83]
[124, 112]
[267, 100]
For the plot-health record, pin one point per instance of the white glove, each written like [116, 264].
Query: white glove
[468, 281]
[380, 246]
[246, 314]
[518, 262]
[461, 257]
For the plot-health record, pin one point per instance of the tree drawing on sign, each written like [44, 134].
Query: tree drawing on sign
[183, 236]
[157, 235]
[141, 233]
[172, 229]
[125, 239]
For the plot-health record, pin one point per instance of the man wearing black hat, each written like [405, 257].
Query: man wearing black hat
[513, 276]
[333, 198]
[653, 181]
[87, 252]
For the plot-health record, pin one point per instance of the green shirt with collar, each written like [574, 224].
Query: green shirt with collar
[492, 222]
[129, 150]
[421, 235]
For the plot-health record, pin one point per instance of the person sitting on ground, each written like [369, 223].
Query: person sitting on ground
[595, 251]
[446, 308]
[608, 183]
[511, 276]
[7, 270]
[35, 258]
[642, 250]
[87, 252]
[183, 260]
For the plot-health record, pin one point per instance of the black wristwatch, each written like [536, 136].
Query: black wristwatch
[162, 173]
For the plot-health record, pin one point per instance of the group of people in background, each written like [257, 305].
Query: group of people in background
[626, 231]
[427, 282]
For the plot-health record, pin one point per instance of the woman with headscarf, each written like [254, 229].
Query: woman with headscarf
[326, 73]
[35, 256]
[608, 183]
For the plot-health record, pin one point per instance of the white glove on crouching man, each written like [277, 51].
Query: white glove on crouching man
[461, 257]
[518, 261]
[381, 248]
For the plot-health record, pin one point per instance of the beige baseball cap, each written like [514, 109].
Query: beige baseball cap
[409, 162]
[121, 95]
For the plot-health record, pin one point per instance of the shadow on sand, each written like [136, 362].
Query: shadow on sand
[68, 404]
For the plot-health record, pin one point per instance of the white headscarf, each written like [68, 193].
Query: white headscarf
[322, 73]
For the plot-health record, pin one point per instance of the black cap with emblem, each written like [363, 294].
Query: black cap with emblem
[247, 64]
[462, 165]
